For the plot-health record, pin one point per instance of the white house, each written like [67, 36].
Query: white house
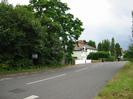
[81, 51]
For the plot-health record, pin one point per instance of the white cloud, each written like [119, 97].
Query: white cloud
[92, 12]
[104, 19]
[101, 18]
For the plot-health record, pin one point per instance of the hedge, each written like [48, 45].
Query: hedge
[98, 55]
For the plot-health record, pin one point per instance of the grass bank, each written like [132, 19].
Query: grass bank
[33, 69]
[121, 86]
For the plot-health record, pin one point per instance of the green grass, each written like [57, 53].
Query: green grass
[34, 69]
[121, 86]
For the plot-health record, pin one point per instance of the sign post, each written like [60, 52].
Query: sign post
[35, 58]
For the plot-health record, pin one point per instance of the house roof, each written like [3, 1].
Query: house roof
[81, 44]
[79, 48]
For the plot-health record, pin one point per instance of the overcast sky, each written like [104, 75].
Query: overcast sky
[102, 19]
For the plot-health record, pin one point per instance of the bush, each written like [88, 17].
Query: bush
[21, 63]
[4, 67]
[110, 59]
[98, 55]
[128, 55]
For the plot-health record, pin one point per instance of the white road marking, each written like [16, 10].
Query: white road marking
[79, 70]
[22, 77]
[45, 79]
[5, 79]
[32, 97]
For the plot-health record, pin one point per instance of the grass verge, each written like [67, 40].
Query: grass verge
[121, 86]
[34, 69]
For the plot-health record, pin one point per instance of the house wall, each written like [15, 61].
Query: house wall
[82, 55]
[79, 55]
[82, 61]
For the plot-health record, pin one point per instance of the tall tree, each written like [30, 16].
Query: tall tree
[112, 47]
[129, 53]
[19, 35]
[46, 33]
[100, 46]
[105, 45]
[57, 12]
[91, 43]
[51, 52]
[118, 50]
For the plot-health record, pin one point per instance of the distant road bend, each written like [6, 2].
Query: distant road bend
[77, 82]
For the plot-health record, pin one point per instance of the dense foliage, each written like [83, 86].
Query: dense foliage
[118, 49]
[19, 35]
[98, 55]
[57, 12]
[129, 53]
[43, 28]
[104, 46]
[92, 43]
[111, 47]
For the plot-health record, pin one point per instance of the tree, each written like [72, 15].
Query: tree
[22, 36]
[19, 35]
[92, 43]
[51, 52]
[56, 11]
[112, 47]
[118, 50]
[104, 46]
[100, 46]
[129, 53]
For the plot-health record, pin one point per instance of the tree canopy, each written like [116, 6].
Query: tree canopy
[118, 50]
[92, 43]
[110, 46]
[44, 27]
[104, 46]
[57, 12]
[129, 52]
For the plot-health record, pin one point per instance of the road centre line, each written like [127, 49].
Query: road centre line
[32, 97]
[79, 70]
[50, 78]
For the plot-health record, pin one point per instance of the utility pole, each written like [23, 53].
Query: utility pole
[4, 1]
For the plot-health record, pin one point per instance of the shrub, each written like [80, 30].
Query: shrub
[110, 59]
[98, 55]
[23, 63]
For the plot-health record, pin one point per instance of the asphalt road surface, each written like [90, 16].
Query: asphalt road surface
[77, 82]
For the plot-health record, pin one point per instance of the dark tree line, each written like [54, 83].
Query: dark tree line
[110, 46]
[43, 28]
[91, 43]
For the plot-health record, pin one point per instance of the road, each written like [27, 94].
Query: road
[77, 82]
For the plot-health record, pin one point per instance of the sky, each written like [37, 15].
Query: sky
[102, 19]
